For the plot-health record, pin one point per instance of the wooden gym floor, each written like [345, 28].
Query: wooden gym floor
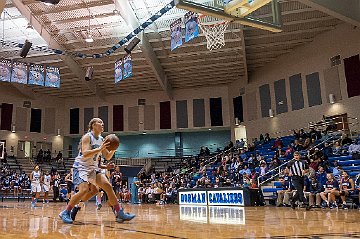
[19, 220]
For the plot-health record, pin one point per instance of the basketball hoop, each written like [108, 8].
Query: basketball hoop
[214, 32]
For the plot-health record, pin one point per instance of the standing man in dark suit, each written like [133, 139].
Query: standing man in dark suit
[298, 169]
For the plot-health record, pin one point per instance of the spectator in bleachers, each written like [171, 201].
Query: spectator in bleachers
[354, 149]
[267, 138]
[307, 143]
[337, 149]
[321, 176]
[278, 143]
[40, 156]
[284, 195]
[280, 153]
[336, 170]
[327, 150]
[331, 191]
[289, 152]
[297, 146]
[315, 190]
[245, 170]
[347, 188]
[346, 140]
[261, 138]
[274, 163]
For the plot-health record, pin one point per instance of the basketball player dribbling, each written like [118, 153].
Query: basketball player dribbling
[86, 171]
[35, 177]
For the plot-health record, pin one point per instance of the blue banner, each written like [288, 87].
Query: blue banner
[118, 71]
[127, 66]
[191, 26]
[36, 74]
[5, 70]
[176, 34]
[52, 77]
[19, 73]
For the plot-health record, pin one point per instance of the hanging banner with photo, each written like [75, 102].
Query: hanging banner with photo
[176, 34]
[5, 70]
[118, 71]
[52, 77]
[127, 66]
[19, 73]
[191, 26]
[36, 74]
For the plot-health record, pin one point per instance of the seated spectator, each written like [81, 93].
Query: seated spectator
[289, 152]
[63, 194]
[207, 151]
[315, 190]
[275, 162]
[354, 149]
[245, 170]
[321, 176]
[346, 140]
[336, 170]
[331, 191]
[280, 153]
[347, 188]
[284, 195]
[278, 143]
[327, 150]
[297, 146]
[337, 149]
[267, 138]
[307, 143]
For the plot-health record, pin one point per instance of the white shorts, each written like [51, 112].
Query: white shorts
[35, 187]
[46, 188]
[81, 176]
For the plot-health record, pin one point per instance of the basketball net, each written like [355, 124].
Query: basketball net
[214, 33]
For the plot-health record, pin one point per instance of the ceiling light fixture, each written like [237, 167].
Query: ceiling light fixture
[49, 2]
[29, 27]
[89, 38]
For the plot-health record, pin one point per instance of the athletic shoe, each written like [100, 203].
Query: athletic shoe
[293, 206]
[99, 207]
[121, 216]
[333, 205]
[74, 211]
[345, 207]
[65, 217]
[324, 205]
[308, 207]
[33, 204]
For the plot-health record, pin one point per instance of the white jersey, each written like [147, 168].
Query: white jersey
[47, 180]
[36, 177]
[89, 164]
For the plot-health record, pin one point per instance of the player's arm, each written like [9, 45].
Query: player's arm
[67, 178]
[352, 185]
[31, 176]
[108, 154]
[86, 147]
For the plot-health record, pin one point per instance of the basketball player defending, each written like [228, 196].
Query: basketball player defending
[35, 177]
[92, 145]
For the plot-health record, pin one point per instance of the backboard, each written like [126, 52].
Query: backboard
[236, 11]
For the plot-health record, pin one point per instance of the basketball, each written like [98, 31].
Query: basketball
[114, 141]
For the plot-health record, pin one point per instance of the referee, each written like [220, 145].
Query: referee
[298, 168]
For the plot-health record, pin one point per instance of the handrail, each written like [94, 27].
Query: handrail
[277, 168]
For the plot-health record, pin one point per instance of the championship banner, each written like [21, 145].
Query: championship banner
[191, 26]
[19, 73]
[176, 34]
[36, 74]
[127, 66]
[52, 77]
[5, 70]
[118, 71]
